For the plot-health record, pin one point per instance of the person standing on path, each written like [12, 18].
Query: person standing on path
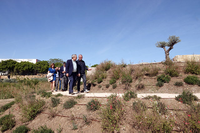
[63, 77]
[52, 70]
[57, 77]
[83, 67]
[72, 71]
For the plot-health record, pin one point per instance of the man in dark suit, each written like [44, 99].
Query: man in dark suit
[72, 71]
[63, 77]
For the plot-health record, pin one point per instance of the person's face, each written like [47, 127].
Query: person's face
[80, 57]
[64, 64]
[74, 58]
[53, 66]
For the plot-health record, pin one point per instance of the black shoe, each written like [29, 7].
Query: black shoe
[72, 93]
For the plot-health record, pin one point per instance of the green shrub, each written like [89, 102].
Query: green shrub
[69, 104]
[104, 66]
[172, 71]
[99, 86]
[107, 85]
[164, 78]
[99, 80]
[129, 94]
[114, 86]
[186, 97]
[43, 93]
[95, 65]
[159, 84]
[31, 110]
[140, 86]
[192, 80]
[75, 127]
[55, 101]
[21, 129]
[178, 84]
[7, 106]
[154, 97]
[112, 81]
[59, 95]
[43, 129]
[7, 122]
[192, 67]
[198, 82]
[126, 79]
[139, 106]
[112, 114]
[153, 72]
[80, 96]
[116, 72]
[93, 105]
[160, 108]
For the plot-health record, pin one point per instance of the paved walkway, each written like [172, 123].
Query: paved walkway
[162, 95]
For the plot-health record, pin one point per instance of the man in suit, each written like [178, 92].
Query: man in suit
[83, 68]
[63, 77]
[72, 71]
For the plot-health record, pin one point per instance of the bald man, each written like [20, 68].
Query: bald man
[82, 68]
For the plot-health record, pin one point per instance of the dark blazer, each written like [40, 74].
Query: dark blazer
[69, 67]
[61, 70]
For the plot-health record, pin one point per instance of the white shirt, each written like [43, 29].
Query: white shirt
[74, 66]
[64, 68]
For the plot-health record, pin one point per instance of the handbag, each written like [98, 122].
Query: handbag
[49, 77]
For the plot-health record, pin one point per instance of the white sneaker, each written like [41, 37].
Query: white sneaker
[86, 91]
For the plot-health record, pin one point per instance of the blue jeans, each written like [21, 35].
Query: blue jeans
[72, 79]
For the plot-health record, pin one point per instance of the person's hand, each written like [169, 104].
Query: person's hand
[67, 74]
[79, 75]
[63, 72]
[52, 74]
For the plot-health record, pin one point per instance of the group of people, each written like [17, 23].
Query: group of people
[71, 72]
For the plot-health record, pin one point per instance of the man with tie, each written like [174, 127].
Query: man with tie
[72, 71]
[63, 77]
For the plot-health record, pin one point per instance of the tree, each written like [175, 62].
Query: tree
[58, 64]
[42, 66]
[172, 41]
[55, 60]
[24, 68]
[8, 65]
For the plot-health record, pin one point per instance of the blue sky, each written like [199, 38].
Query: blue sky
[98, 29]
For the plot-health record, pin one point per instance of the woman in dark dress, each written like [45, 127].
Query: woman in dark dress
[53, 71]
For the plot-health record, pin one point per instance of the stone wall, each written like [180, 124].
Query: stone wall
[184, 58]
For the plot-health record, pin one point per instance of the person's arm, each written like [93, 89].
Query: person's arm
[67, 68]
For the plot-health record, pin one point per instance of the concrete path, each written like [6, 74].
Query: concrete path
[162, 95]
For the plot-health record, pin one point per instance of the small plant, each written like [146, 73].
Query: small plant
[159, 84]
[59, 95]
[69, 104]
[80, 96]
[139, 106]
[43, 93]
[21, 129]
[112, 81]
[31, 110]
[105, 66]
[75, 127]
[93, 105]
[186, 97]
[99, 86]
[43, 129]
[114, 86]
[129, 94]
[116, 72]
[107, 85]
[164, 78]
[7, 106]
[154, 72]
[192, 67]
[7, 122]
[154, 97]
[55, 101]
[160, 108]
[192, 80]
[99, 80]
[140, 86]
[178, 84]
[85, 119]
[59, 130]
